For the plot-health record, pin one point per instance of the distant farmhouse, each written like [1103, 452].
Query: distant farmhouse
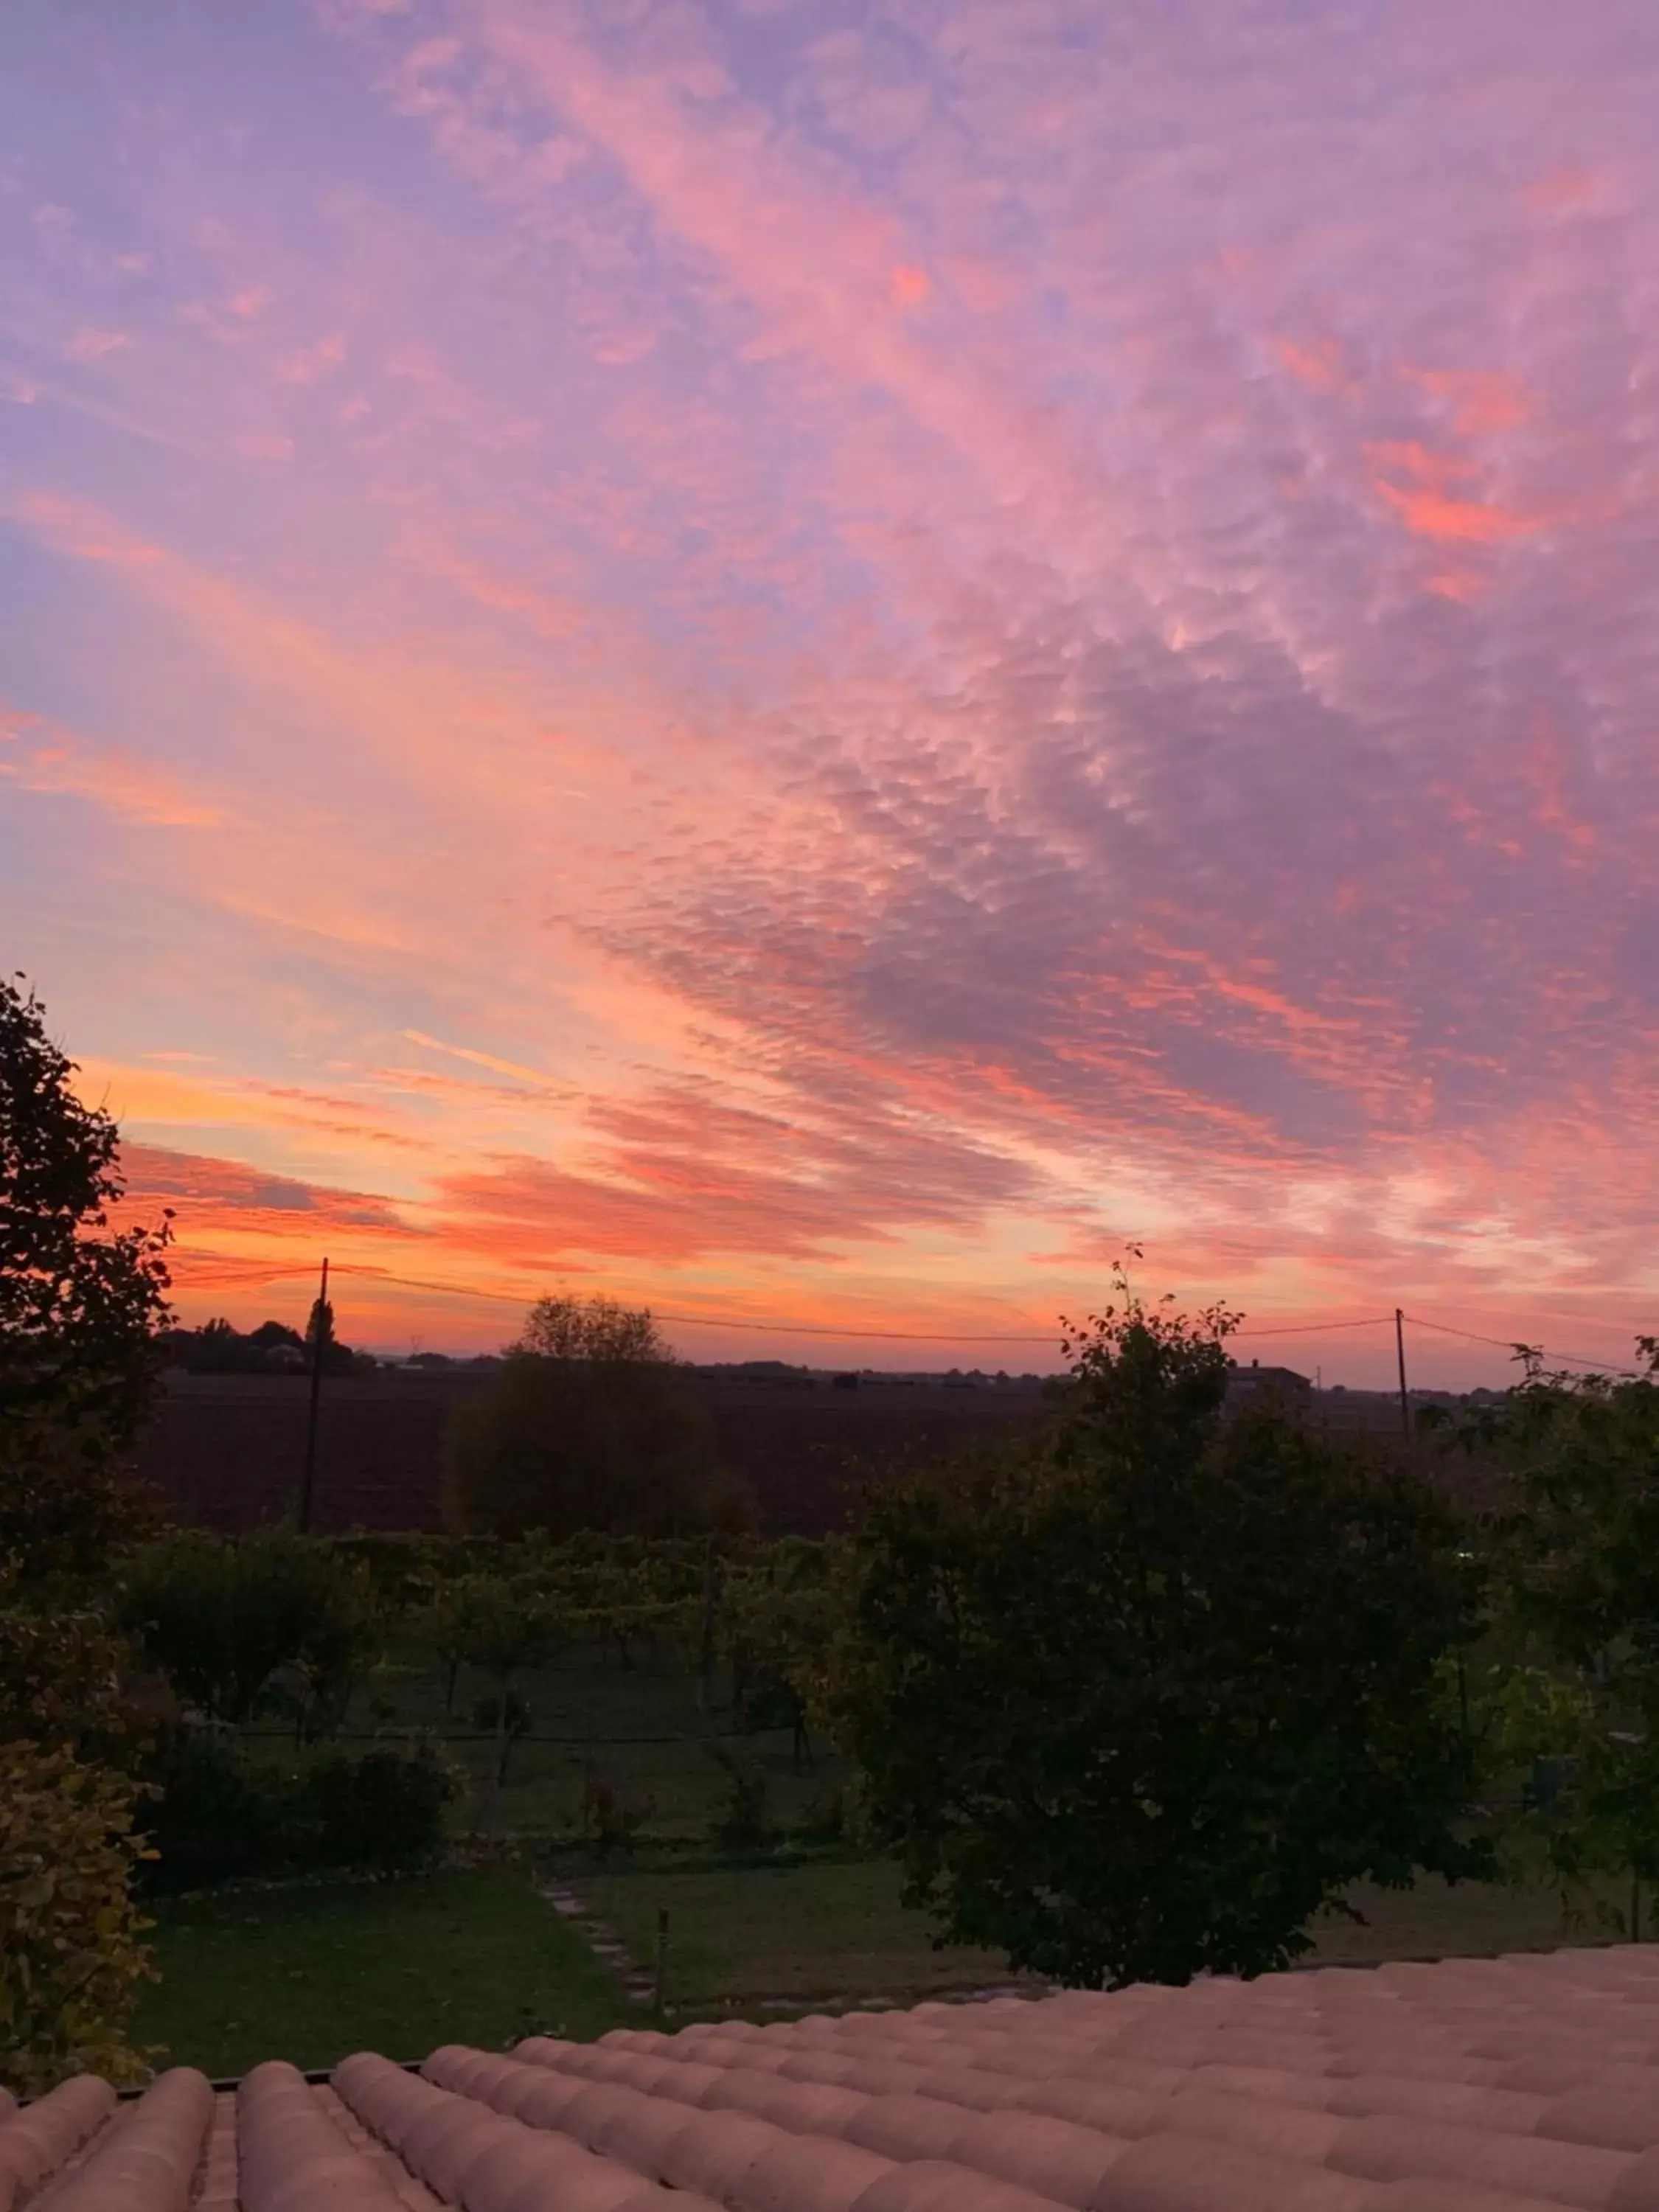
[1249, 1386]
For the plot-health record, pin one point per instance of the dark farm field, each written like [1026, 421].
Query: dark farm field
[226, 1451]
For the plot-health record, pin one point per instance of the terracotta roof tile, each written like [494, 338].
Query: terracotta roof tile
[1511, 2085]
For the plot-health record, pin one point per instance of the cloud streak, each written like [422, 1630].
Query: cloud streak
[788, 661]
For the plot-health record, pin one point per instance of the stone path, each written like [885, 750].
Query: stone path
[639, 1982]
[603, 1941]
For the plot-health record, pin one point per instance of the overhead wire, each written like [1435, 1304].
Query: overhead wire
[852, 1333]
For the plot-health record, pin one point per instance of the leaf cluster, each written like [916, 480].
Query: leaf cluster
[70, 1953]
[1137, 1701]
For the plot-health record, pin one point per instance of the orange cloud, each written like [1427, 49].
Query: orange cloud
[37, 756]
[908, 288]
[1319, 364]
[1484, 400]
[1428, 505]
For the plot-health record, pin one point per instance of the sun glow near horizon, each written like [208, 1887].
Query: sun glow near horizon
[814, 663]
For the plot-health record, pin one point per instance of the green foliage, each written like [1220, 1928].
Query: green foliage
[609, 1818]
[779, 1606]
[1577, 1541]
[68, 1505]
[383, 1811]
[70, 1958]
[597, 1332]
[63, 1681]
[500, 1624]
[80, 1303]
[741, 1822]
[225, 1617]
[217, 1816]
[1137, 1702]
[587, 1425]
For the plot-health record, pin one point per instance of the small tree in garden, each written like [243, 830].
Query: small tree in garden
[500, 1625]
[1137, 1700]
[780, 1607]
[223, 1617]
[1577, 1541]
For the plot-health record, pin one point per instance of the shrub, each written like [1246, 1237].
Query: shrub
[384, 1810]
[69, 1954]
[223, 1617]
[218, 1817]
[824, 1817]
[609, 1821]
[739, 1823]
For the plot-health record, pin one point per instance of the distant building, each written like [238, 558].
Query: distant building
[1246, 1385]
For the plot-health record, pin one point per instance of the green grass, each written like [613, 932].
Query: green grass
[1474, 1919]
[820, 1929]
[311, 1973]
[835, 1930]
[590, 1710]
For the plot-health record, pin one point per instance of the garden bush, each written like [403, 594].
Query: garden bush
[216, 1817]
[71, 1960]
[739, 1823]
[383, 1811]
[219, 1817]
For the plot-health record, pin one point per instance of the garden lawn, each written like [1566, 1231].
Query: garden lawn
[309, 1972]
[835, 1930]
[821, 1928]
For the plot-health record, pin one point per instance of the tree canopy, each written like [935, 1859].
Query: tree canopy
[1578, 1540]
[588, 1423]
[80, 1303]
[1135, 1700]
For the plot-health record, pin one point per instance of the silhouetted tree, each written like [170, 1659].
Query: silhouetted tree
[589, 1423]
[81, 1306]
[1136, 1700]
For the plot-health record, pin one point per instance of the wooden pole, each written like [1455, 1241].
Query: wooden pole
[1400, 1347]
[660, 1991]
[309, 1484]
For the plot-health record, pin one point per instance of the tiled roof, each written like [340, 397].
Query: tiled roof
[1509, 2085]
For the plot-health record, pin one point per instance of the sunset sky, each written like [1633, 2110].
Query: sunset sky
[811, 661]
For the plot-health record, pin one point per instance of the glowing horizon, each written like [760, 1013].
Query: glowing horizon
[814, 660]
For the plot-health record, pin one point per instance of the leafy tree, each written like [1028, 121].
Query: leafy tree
[1136, 1701]
[780, 1608]
[70, 1958]
[500, 1625]
[1578, 1539]
[224, 1617]
[587, 1425]
[595, 1331]
[216, 1348]
[80, 1303]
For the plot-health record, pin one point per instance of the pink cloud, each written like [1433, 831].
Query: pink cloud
[830, 662]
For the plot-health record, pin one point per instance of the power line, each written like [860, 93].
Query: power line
[852, 1334]
[794, 1328]
[1511, 1344]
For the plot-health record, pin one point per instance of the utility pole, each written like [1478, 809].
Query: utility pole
[1405, 1397]
[321, 1335]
